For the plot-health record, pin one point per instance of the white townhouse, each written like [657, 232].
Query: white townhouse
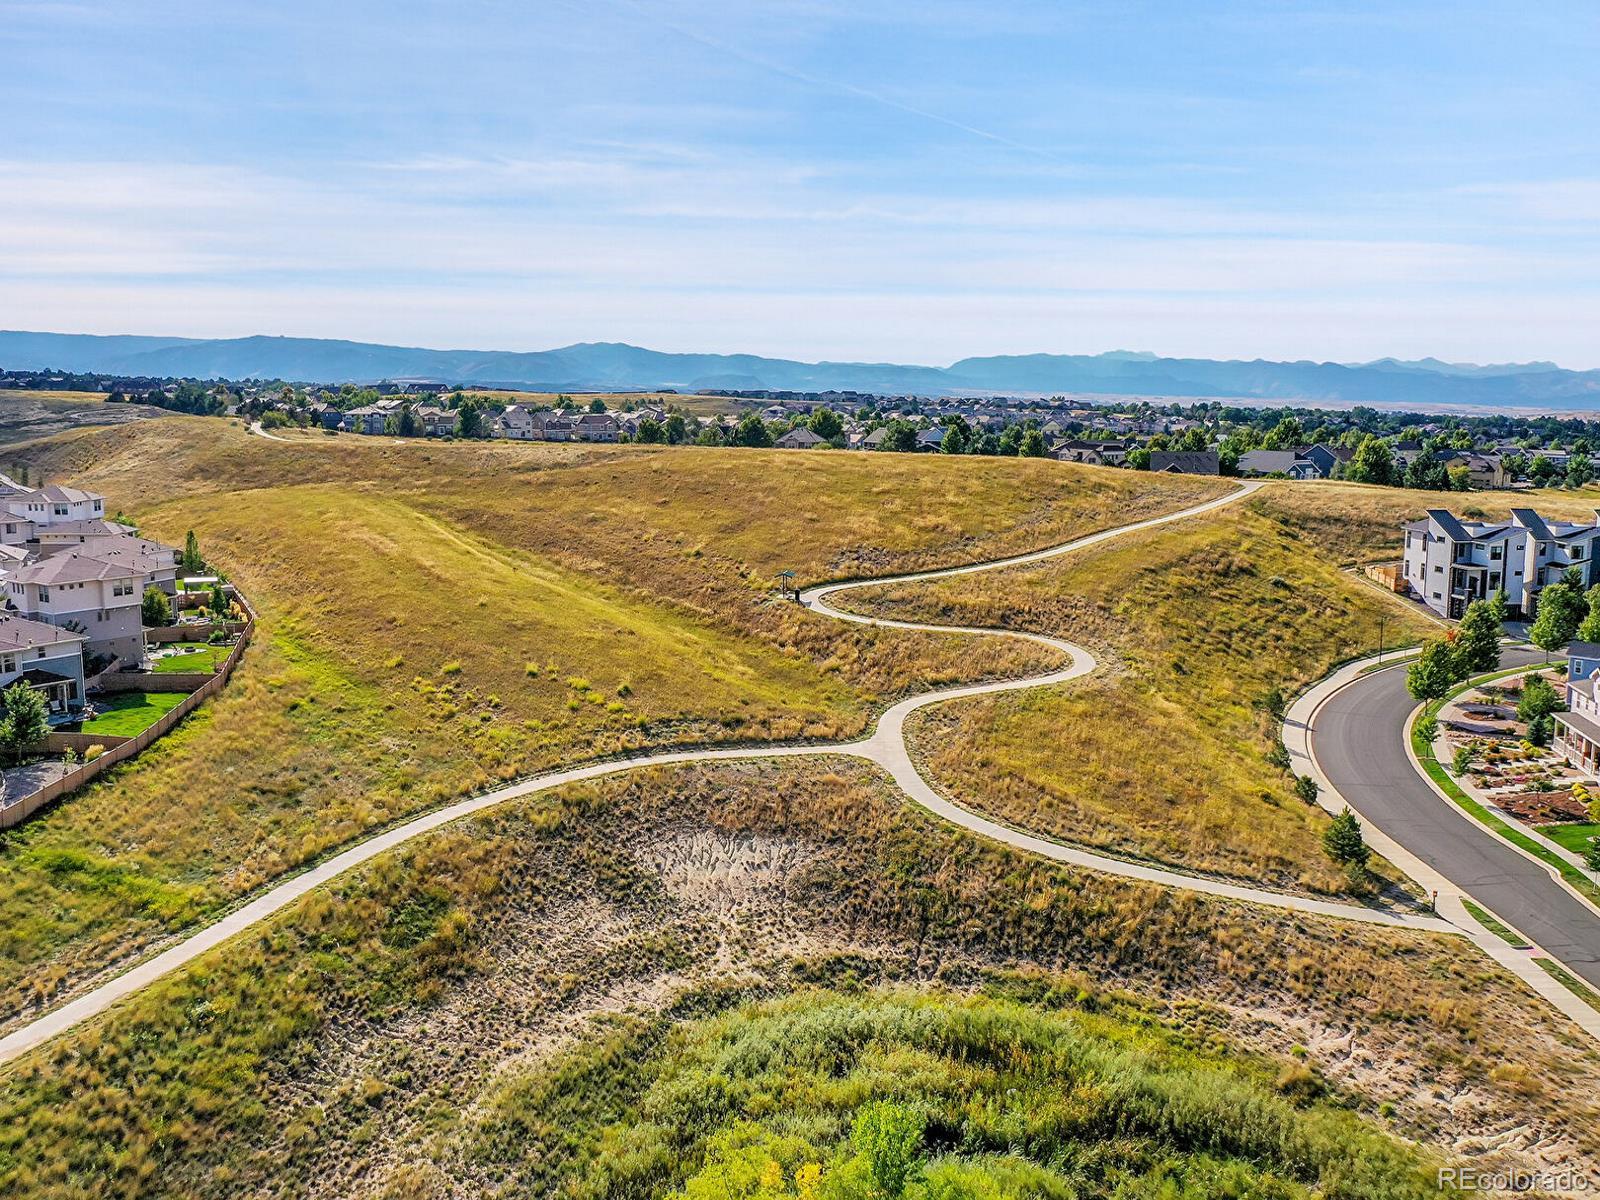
[44, 656]
[94, 596]
[88, 534]
[1449, 562]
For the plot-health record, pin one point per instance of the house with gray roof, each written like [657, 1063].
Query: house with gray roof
[1289, 463]
[1186, 462]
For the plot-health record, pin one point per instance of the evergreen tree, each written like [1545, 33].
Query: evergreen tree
[1343, 841]
[1478, 643]
[190, 560]
[1032, 445]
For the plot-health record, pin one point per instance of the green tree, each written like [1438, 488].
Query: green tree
[1562, 608]
[676, 429]
[1427, 474]
[1011, 439]
[1589, 628]
[1373, 463]
[597, 405]
[1138, 459]
[1478, 638]
[218, 601]
[190, 560]
[751, 431]
[1032, 445]
[1285, 435]
[826, 424]
[469, 418]
[711, 435]
[952, 442]
[1436, 671]
[1539, 699]
[408, 425]
[155, 610]
[26, 720]
[1580, 471]
[1343, 841]
[1543, 471]
[900, 436]
[1194, 439]
[1460, 479]
[650, 432]
[1306, 788]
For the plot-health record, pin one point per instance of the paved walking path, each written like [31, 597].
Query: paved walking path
[886, 747]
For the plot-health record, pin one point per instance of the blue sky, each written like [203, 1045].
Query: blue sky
[811, 178]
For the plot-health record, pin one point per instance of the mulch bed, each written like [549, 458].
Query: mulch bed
[1544, 808]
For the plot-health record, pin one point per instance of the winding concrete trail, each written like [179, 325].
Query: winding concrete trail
[886, 747]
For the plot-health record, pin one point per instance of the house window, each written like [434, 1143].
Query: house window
[44, 593]
[41, 652]
[1496, 554]
[9, 663]
[1436, 596]
[1437, 569]
[1577, 553]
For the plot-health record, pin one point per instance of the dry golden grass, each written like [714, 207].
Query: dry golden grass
[405, 1029]
[1355, 522]
[1162, 754]
[439, 618]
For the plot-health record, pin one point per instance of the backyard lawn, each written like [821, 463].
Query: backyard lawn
[129, 714]
[200, 657]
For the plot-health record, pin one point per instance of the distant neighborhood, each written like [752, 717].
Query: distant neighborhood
[1402, 449]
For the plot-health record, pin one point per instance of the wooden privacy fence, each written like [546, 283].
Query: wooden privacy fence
[16, 809]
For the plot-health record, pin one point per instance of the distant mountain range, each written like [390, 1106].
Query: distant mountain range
[614, 366]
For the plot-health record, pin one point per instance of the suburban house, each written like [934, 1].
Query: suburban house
[1577, 731]
[1326, 458]
[931, 439]
[45, 656]
[1450, 562]
[434, 421]
[597, 427]
[1483, 470]
[1289, 463]
[1186, 462]
[369, 419]
[98, 598]
[516, 423]
[798, 438]
[1099, 454]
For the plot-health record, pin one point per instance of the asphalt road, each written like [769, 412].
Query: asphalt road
[1359, 740]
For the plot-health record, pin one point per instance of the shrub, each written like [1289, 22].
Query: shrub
[1427, 729]
[93, 752]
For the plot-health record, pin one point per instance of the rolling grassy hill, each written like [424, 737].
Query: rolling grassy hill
[590, 993]
[438, 619]
[620, 989]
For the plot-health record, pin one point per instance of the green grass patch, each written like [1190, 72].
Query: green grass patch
[1570, 981]
[1494, 925]
[201, 657]
[1575, 838]
[128, 714]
